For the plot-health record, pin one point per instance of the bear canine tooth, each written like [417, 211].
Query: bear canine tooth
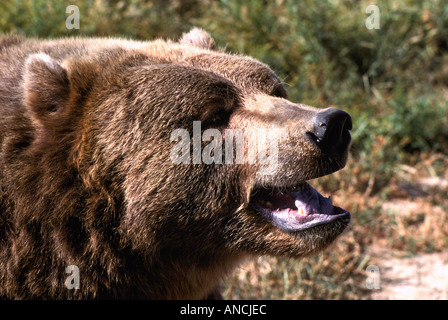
[297, 204]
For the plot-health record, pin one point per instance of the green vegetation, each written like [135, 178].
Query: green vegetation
[392, 80]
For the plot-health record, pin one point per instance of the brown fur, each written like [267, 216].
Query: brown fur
[86, 180]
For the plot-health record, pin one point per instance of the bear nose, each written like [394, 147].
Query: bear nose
[331, 129]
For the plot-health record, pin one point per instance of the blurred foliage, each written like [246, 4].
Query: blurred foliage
[138, 19]
[392, 80]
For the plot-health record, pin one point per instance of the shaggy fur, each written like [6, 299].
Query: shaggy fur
[86, 177]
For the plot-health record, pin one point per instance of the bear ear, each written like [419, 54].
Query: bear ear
[199, 38]
[46, 86]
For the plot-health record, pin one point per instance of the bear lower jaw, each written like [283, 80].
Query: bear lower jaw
[297, 208]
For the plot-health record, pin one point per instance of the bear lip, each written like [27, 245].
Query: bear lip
[296, 208]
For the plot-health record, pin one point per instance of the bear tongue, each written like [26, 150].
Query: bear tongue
[305, 201]
[309, 201]
[296, 210]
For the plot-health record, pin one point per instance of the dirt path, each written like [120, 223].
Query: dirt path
[423, 277]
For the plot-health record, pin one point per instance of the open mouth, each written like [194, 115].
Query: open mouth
[296, 208]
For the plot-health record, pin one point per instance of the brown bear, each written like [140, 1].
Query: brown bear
[119, 175]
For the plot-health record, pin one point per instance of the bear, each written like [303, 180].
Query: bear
[113, 181]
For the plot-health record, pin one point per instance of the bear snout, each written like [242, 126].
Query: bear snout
[331, 131]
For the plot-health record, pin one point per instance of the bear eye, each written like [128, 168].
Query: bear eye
[279, 91]
[218, 119]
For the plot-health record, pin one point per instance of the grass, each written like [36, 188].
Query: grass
[337, 273]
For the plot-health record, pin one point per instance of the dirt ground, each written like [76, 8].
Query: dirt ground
[406, 276]
[421, 277]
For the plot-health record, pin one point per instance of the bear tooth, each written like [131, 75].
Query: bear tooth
[299, 207]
